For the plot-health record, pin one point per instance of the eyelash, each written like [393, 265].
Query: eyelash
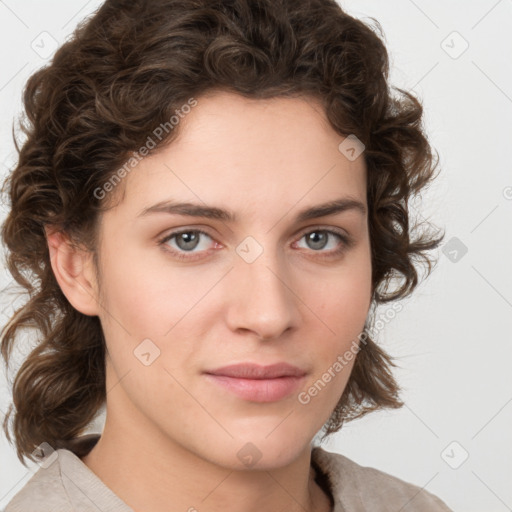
[346, 243]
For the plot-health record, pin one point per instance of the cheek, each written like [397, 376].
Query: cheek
[161, 303]
[148, 299]
[343, 300]
[145, 326]
[342, 305]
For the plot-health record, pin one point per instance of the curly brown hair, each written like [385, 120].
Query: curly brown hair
[127, 69]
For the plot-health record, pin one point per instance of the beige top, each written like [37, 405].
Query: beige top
[68, 485]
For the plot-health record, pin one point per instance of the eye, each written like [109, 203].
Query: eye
[319, 239]
[184, 242]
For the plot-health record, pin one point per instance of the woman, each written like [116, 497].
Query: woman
[211, 198]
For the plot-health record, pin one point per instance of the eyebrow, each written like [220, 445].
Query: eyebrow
[211, 212]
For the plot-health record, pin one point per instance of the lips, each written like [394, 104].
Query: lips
[257, 383]
[254, 371]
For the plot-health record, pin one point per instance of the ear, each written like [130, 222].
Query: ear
[74, 271]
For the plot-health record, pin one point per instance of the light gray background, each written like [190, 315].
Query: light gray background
[453, 337]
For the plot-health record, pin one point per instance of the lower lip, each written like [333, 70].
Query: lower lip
[258, 390]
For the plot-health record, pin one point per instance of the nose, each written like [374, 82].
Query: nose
[261, 297]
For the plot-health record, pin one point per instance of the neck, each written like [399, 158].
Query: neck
[155, 473]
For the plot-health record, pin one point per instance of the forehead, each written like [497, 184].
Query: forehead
[244, 153]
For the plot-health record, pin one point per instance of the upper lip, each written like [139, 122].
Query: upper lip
[256, 371]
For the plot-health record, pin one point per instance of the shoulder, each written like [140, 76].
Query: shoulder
[46, 489]
[357, 487]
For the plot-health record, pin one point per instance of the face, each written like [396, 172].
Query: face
[185, 295]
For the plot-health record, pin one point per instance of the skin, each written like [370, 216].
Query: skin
[171, 438]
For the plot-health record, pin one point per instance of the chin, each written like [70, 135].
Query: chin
[258, 452]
